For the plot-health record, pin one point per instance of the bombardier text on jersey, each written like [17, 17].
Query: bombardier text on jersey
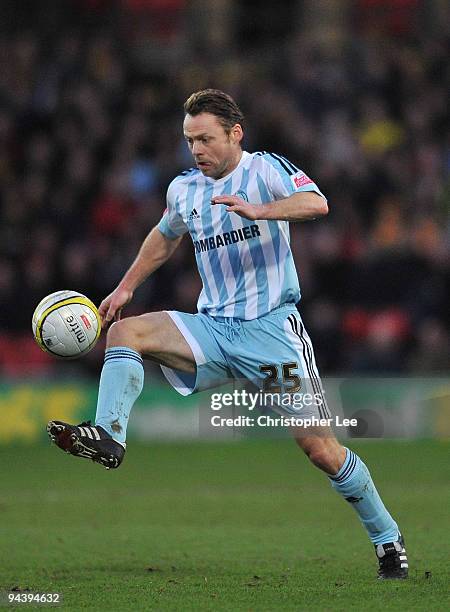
[214, 242]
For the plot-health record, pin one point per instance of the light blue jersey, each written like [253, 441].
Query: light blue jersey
[246, 267]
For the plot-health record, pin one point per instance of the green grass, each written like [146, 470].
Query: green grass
[212, 526]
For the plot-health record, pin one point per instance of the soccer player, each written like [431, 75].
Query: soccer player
[237, 207]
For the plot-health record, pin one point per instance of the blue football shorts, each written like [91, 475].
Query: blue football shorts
[274, 352]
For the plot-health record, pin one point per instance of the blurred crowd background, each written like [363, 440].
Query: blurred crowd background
[354, 92]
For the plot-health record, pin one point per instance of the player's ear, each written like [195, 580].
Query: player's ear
[236, 133]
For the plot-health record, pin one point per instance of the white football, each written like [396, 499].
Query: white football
[66, 324]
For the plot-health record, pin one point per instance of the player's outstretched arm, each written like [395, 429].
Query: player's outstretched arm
[303, 206]
[155, 250]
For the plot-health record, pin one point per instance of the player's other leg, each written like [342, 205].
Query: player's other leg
[282, 333]
[348, 474]
[350, 477]
[154, 336]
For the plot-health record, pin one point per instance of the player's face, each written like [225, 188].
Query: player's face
[216, 152]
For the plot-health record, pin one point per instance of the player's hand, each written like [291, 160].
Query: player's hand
[111, 307]
[237, 205]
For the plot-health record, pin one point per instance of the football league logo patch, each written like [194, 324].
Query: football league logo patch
[300, 180]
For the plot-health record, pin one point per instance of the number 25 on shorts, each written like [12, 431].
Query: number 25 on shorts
[288, 382]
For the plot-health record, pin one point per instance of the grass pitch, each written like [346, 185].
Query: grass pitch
[219, 526]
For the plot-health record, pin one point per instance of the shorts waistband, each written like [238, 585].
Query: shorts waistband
[282, 307]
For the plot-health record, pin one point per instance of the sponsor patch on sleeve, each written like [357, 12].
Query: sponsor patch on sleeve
[300, 180]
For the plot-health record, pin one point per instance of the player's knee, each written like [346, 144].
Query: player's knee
[144, 334]
[117, 334]
[124, 333]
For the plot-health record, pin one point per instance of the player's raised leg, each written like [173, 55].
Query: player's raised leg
[152, 335]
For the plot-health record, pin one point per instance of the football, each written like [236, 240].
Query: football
[66, 324]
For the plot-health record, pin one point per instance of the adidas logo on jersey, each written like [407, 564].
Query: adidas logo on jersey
[193, 215]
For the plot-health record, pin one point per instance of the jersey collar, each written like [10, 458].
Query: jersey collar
[244, 156]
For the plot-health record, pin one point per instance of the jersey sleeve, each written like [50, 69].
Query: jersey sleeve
[172, 224]
[285, 179]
